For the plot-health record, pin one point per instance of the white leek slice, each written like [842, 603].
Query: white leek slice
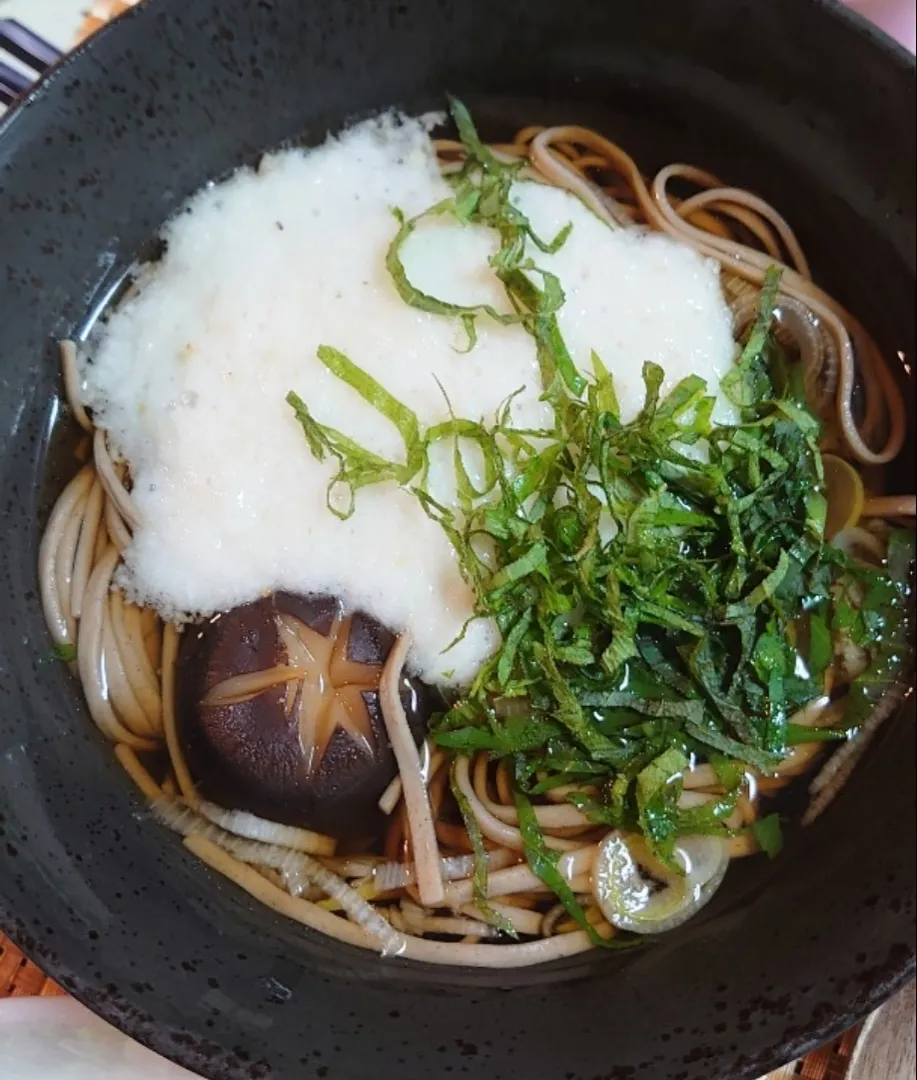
[636, 892]
[242, 823]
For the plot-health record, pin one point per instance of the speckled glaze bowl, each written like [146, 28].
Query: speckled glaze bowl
[796, 99]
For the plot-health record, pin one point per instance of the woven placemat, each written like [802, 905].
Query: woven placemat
[19, 977]
[101, 12]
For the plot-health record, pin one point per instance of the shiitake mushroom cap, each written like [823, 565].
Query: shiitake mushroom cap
[250, 755]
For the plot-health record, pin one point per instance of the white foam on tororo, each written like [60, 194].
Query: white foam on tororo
[191, 375]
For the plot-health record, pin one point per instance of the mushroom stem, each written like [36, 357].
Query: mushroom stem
[416, 799]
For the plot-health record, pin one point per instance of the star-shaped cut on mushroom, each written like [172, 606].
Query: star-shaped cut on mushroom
[328, 693]
[325, 688]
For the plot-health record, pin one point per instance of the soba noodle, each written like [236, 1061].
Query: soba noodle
[415, 895]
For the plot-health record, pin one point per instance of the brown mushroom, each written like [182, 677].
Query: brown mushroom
[278, 713]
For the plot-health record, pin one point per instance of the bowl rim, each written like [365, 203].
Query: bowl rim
[83, 988]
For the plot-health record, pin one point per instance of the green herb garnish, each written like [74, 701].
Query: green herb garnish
[651, 578]
[879, 621]
[543, 863]
[769, 834]
[479, 877]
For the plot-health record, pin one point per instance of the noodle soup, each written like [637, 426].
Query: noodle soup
[486, 545]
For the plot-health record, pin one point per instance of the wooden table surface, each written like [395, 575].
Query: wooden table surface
[887, 1048]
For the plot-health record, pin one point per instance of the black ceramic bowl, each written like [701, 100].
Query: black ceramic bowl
[795, 99]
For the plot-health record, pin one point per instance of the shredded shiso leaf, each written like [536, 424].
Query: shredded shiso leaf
[649, 579]
[479, 876]
[769, 835]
